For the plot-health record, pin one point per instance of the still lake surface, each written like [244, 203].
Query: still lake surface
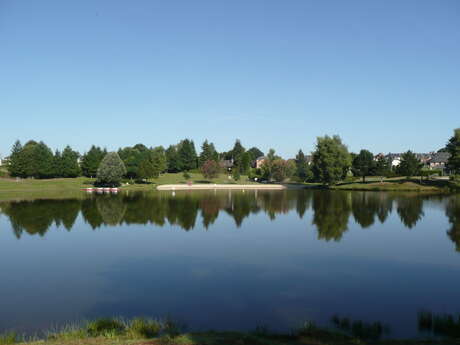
[229, 259]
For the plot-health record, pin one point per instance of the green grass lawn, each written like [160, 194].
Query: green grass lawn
[11, 189]
[374, 183]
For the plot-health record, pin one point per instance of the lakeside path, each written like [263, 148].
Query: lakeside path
[211, 186]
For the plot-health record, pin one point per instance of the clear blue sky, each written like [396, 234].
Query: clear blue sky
[384, 75]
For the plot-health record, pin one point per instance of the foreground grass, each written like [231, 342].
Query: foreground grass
[142, 331]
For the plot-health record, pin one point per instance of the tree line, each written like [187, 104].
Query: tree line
[329, 163]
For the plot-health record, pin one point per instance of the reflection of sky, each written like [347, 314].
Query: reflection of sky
[274, 273]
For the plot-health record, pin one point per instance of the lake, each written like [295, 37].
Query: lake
[231, 260]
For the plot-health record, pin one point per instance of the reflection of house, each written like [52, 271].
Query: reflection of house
[259, 161]
[438, 160]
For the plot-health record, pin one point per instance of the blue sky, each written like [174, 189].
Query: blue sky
[384, 75]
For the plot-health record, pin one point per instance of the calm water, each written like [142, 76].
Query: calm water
[230, 260]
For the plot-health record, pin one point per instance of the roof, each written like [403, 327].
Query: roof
[440, 157]
[261, 158]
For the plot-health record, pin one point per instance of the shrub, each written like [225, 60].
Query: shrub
[105, 327]
[210, 169]
[143, 328]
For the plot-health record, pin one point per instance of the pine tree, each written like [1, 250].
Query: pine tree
[172, 159]
[208, 152]
[15, 168]
[91, 160]
[187, 155]
[70, 166]
[302, 171]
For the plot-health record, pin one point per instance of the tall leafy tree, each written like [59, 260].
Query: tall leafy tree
[158, 160]
[146, 170]
[363, 164]
[111, 170]
[91, 160]
[410, 165]
[331, 160]
[453, 147]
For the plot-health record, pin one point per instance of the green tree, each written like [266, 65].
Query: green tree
[158, 159]
[91, 160]
[382, 166]
[15, 167]
[237, 152]
[210, 169]
[43, 161]
[331, 160]
[208, 152]
[410, 165]
[111, 170]
[282, 169]
[255, 153]
[303, 171]
[146, 170]
[245, 163]
[69, 165]
[267, 165]
[236, 174]
[363, 164]
[453, 147]
[172, 159]
[187, 155]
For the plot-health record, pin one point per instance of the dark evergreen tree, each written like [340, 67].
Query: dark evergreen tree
[187, 155]
[453, 147]
[70, 166]
[255, 153]
[43, 159]
[172, 159]
[15, 167]
[208, 153]
[91, 160]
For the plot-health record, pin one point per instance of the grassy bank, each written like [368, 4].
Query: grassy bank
[12, 189]
[154, 332]
[397, 184]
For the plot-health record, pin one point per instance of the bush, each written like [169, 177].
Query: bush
[143, 328]
[105, 327]
[210, 169]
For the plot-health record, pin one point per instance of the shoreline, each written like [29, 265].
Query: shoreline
[211, 186]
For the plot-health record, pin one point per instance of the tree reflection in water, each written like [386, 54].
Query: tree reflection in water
[331, 210]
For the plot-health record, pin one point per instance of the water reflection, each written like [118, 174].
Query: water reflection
[331, 210]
